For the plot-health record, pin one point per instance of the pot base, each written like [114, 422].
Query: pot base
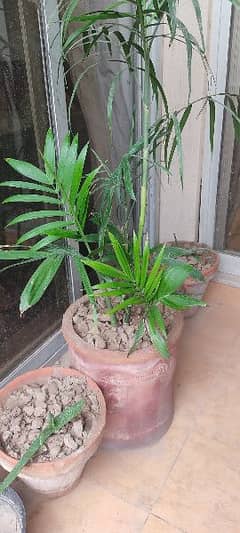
[139, 441]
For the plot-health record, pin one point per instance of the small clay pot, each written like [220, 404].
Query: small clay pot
[12, 512]
[138, 390]
[57, 477]
[194, 287]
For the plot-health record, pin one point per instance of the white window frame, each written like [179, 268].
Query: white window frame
[229, 271]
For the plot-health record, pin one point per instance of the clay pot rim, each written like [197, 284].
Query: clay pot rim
[207, 272]
[115, 357]
[34, 376]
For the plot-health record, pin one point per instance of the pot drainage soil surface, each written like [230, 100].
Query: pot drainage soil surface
[26, 412]
[103, 334]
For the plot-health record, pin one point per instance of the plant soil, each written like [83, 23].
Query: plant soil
[104, 335]
[201, 258]
[26, 412]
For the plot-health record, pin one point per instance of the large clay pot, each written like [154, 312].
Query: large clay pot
[194, 287]
[138, 390]
[57, 477]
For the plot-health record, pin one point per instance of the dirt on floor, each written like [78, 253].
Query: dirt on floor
[26, 412]
[104, 334]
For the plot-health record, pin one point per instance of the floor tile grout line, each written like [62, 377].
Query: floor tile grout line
[169, 523]
[171, 467]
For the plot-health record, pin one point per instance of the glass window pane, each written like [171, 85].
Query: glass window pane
[23, 125]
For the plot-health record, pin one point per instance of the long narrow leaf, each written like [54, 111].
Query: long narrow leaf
[28, 170]
[35, 215]
[39, 282]
[32, 198]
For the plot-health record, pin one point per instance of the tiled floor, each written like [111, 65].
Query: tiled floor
[190, 480]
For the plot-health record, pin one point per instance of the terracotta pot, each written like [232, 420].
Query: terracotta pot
[54, 478]
[192, 286]
[138, 390]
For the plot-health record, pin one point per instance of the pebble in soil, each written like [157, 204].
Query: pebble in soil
[103, 334]
[26, 412]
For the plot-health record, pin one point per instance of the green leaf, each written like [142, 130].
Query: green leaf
[136, 258]
[77, 174]
[116, 292]
[7, 254]
[129, 302]
[44, 242]
[181, 301]
[198, 14]
[42, 230]
[212, 116]
[106, 270]
[49, 156]
[145, 264]
[178, 135]
[111, 96]
[111, 285]
[157, 339]
[151, 280]
[31, 198]
[83, 196]
[28, 170]
[64, 234]
[235, 116]
[34, 215]
[39, 282]
[85, 280]
[137, 337]
[27, 185]
[121, 256]
[172, 279]
[158, 319]
[236, 3]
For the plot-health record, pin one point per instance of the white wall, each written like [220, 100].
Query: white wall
[179, 209]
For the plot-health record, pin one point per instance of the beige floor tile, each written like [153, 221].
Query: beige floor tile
[87, 509]
[223, 295]
[156, 525]
[220, 418]
[202, 493]
[137, 475]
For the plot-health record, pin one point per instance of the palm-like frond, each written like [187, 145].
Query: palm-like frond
[67, 188]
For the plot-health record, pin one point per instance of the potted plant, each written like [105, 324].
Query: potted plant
[202, 258]
[52, 422]
[134, 296]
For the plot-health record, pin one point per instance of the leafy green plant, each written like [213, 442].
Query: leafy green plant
[66, 188]
[55, 424]
[132, 27]
[137, 282]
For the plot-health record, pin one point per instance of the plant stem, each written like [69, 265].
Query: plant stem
[146, 147]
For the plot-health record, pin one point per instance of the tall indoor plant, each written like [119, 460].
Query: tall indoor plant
[138, 388]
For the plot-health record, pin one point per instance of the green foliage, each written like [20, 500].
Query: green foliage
[69, 189]
[55, 424]
[136, 283]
